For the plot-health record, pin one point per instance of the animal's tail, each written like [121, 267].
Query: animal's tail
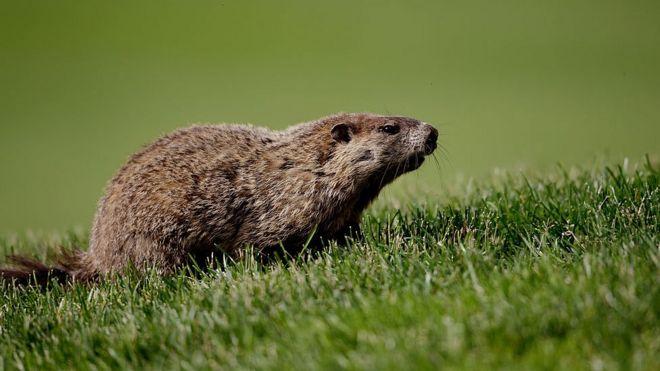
[67, 267]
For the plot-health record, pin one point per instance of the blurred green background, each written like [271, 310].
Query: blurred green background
[509, 84]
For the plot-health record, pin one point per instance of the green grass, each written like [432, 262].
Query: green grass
[551, 269]
[557, 271]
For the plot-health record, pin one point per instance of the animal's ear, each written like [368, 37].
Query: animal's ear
[341, 133]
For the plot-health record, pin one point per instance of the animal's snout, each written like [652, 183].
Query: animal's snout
[431, 142]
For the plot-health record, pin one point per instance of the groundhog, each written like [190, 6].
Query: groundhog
[218, 189]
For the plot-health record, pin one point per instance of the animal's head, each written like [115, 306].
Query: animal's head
[374, 146]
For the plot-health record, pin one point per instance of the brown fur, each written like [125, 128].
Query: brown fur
[212, 189]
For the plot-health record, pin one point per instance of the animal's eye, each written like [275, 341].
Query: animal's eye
[390, 129]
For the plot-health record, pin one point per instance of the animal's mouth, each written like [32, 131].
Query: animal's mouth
[410, 163]
[431, 142]
[430, 146]
[414, 161]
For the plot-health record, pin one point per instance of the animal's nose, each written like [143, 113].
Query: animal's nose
[431, 141]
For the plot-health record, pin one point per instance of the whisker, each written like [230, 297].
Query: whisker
[445, 154]
[437, 163]
[396, 172]
[443, 149]
[382, 178]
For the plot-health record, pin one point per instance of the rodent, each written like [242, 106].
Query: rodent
[214, 189]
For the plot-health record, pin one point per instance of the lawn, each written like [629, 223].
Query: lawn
[518, 271]
[491, 257]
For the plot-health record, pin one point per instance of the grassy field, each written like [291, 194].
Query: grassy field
[493, 258]
[558, 271]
